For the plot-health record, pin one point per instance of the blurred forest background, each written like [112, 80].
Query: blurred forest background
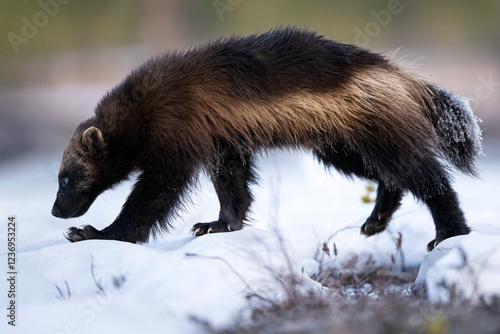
[58, 57]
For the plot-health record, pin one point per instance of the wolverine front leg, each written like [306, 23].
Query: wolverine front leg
[231, 177]
[149, 206]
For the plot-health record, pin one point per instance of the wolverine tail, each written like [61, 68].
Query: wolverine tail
[457, 129]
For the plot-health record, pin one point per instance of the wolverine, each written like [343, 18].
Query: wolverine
[216, 106]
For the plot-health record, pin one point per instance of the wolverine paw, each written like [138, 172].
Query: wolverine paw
[431, 245]
[212, 227]
[373, 226]
[84, 232]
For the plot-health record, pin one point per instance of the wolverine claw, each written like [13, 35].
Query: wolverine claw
[431, 245]
[81, 233]
[372, 227]
[212, 227]
[73, 234]
[200, 229]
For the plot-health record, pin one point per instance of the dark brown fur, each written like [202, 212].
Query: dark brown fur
[215, 106]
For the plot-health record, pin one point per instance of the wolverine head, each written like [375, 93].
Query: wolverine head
[81, 177]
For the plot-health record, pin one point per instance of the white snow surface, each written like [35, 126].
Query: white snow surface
[158, 288]
[468, 266]
[109, 286]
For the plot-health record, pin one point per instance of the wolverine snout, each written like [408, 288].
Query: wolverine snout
[55, 212]
[65, 207]
[60, 212]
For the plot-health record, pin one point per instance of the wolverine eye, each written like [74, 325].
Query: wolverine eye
[64, 180]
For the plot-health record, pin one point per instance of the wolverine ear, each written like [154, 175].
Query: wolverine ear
[92, 140]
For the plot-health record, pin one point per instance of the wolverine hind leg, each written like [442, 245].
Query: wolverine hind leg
[447, 214]
[231, 175]
[387, 202]
[350, 163]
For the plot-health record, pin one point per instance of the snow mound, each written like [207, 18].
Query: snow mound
[110, 286]
[465, 267]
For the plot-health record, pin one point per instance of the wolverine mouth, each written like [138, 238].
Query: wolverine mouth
[64, 211]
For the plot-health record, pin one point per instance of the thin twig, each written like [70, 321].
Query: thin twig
[97, 283]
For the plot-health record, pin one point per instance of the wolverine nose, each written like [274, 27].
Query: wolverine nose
[55, 212]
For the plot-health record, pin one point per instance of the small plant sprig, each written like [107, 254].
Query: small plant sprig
[63, 293]
[369, 196]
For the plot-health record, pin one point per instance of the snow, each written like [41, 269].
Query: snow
[165, 285]
[467, 265]
[104, 286]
